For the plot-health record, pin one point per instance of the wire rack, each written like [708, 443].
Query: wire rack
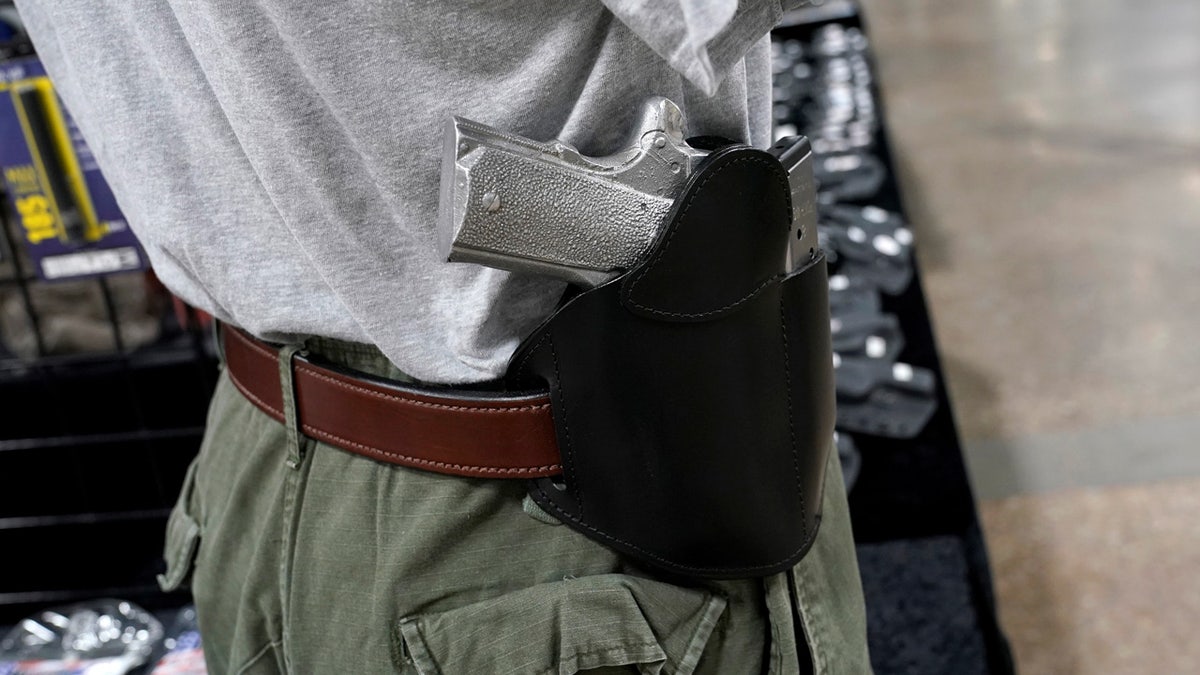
[94, 443]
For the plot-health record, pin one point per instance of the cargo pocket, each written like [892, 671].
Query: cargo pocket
[565, 627]
[183, 537]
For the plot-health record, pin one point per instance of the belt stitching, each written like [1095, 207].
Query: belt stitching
[408, 401]
[387, 453]
[426, 462]
[391, 397]
[250, 395]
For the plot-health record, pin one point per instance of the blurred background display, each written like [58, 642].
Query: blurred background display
[1049, 157]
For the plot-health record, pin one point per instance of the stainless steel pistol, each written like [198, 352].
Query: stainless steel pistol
[521, 205]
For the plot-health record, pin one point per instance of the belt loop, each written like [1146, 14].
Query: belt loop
[291, 419]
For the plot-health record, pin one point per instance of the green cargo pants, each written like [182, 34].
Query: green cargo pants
[306, 559]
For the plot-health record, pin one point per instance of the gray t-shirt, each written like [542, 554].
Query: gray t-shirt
[280, 160]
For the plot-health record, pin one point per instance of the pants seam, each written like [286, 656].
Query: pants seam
[294, 486]
[274, 644]
[297, 446]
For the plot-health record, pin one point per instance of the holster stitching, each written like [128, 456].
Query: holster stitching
[533, 350]
[696, 191]
[787, 384]
[666, 563]
[570, 463]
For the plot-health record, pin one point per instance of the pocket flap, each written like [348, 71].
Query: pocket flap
[183, 537]
[568, 626]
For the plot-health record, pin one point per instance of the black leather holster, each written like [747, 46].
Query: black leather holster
[693, 395]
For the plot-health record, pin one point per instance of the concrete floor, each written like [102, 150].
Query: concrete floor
[1050, 155]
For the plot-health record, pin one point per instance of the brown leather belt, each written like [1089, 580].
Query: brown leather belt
[477, 434]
